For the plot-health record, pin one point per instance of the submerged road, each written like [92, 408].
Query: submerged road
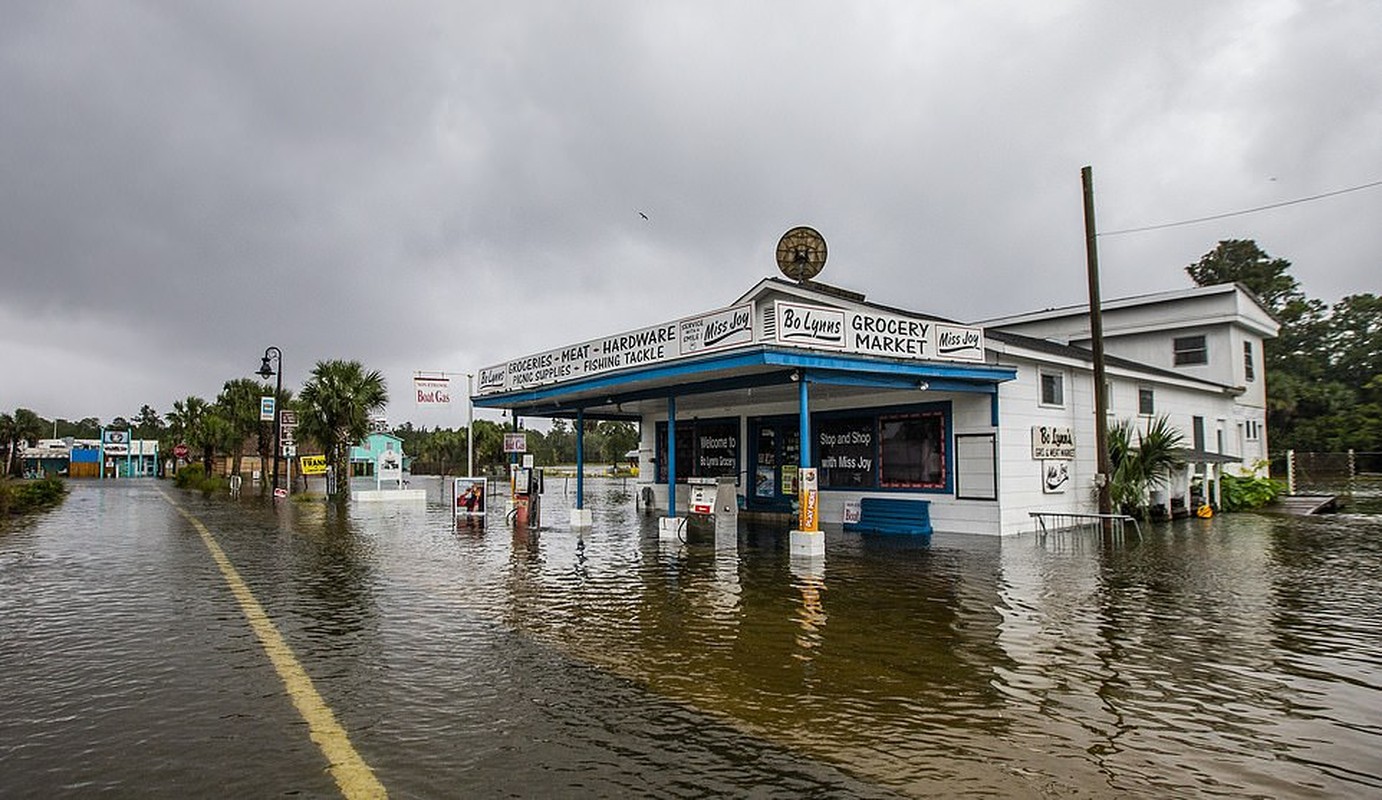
[159, 644]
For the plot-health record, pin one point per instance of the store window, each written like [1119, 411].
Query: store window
[912, 450]
[845, 449]
[704, 449]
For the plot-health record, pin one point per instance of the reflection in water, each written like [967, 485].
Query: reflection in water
[1234, 656]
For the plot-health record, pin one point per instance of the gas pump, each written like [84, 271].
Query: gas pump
[526, 483]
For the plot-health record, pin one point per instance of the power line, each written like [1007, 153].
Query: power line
[1244, 211]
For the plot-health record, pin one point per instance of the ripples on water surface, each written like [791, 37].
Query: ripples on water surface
[1234, 656]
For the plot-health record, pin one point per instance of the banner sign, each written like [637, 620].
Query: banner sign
[875, 334]
[313, 465]
[794, 324]
[432, 391]
[1052, 442]
[703, 333]
[116, 443]
[266, 409]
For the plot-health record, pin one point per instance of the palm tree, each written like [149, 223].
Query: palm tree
[23, 426]
[336, 405]
[1137, 469]
[7, 439]
[238, 404]
[187, 424]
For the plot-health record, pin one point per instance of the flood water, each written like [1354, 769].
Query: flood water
[1237, 656]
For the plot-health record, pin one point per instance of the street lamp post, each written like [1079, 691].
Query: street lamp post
[264, 372]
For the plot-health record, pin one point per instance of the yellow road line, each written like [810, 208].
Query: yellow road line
[352, 774]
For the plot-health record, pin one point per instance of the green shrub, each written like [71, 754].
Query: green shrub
[189, 477]
[1246, 492]
[20, 498]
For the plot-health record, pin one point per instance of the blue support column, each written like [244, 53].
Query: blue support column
[580, 517]
[671, 456]
[580, 458]
[808, 543]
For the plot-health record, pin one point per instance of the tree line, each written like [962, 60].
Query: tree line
[335, 408]
[1324, 369]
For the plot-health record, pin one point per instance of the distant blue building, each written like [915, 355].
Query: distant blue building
[364, 456]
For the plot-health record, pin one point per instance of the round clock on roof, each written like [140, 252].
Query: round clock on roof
[801, 253]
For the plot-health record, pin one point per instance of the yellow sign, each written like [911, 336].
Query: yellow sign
[313, 465]
[808, 515]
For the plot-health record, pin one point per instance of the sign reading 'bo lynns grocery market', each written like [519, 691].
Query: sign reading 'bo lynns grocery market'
[793, 324]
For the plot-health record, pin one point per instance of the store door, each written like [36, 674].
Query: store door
[776, 457]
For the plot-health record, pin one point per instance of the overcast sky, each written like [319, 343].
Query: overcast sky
[445, 186]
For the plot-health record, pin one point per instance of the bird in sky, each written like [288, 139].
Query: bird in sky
[644, 216]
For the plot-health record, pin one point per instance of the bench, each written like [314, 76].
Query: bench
[892, 515]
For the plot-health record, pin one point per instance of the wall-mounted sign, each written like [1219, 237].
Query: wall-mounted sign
[809, 326]
[717, 330]
[1050, 441]
[876, 334]
[515, 442]
[794, 324]
[432, 391]
[1055, 476]
[266, 409]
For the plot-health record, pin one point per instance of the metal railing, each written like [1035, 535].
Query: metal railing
[1048, 522]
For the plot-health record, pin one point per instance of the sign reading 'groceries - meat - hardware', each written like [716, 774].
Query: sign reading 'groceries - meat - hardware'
[791, 324]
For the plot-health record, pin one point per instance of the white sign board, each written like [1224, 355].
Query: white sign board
[389, 467]
[1055, 476]
[266, 409]
[875, 334]
[794, 324]
[703, 333]
[432, 391]
[515, 443]
[1051, 441]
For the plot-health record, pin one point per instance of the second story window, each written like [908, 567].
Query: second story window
[1189, 350]
[1052, 389]
[1247, 361]
[1145, 401]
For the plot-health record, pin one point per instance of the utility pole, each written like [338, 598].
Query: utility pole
[1096, 332]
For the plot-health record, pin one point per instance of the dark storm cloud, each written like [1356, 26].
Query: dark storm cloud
[444, 186]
